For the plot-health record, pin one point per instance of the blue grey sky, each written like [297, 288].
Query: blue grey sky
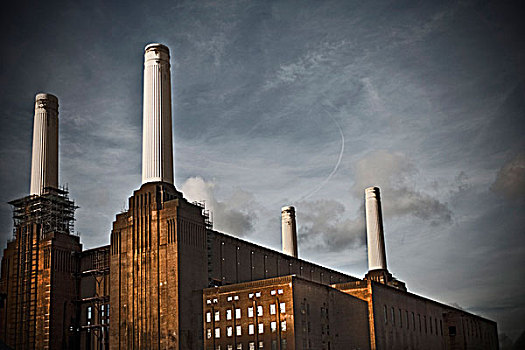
[300, 103]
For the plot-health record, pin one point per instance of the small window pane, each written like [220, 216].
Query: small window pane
[272, 309]
[282, 308]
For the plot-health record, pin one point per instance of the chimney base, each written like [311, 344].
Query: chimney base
[384, 277]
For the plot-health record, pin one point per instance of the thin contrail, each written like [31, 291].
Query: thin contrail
[336, 164]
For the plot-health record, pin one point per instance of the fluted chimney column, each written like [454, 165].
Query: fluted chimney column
[289, 231]
[374, 230]
[44, 163]
[157, 148]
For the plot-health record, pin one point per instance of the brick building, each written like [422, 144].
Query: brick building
[168, 280]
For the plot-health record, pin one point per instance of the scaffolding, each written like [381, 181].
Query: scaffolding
[53, 211]
[207, 214]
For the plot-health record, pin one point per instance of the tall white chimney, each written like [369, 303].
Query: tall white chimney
[44, 163]
[374, 230]
[157, 147]
[289, 231]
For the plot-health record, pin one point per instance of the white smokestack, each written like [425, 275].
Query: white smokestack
[374, 230]
[157, 147]
[44, 163]
[289, 231]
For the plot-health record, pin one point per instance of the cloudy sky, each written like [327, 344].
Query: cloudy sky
[300, 103]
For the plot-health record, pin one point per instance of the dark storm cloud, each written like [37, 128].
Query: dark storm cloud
[324, 225]
[510, 181]
[235, 215]
[394, 173]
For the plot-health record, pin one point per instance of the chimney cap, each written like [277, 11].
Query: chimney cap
[157, 46]
[52, 100]
[288, 208]
[372, 191]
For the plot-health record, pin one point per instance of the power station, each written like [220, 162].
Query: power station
[169, 281]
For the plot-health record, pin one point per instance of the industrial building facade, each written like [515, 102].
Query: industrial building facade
[169, 281]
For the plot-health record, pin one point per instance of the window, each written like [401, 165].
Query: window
[408, 323]
[250, 295]
[230, 347]
[393, 315]
[273, 326]
[228, 314]
[237, 313]
[425, 320]
[386, 314]
[414, 321]
[430, 324]
[259, 310]
[208, 333]
[208, 317]
[272, 309]
[230, 298]
[251, 329]
[251, 345]
[238, 330]
[283, 326]
[229, 331]
[419, 321]
[218, 347]
[280, 291]
[273, 292]
[217, 316]
[283, 344]
[400, 319]
[208, 301]
[261, 345]
[274, 344]
[282, 308]
[261, 328]
[250, 311]
[239, 346]
[89, 312]
[441, 326]
[236, 297]
[452, 331]
[217, 332]
[436, 323]
[258, 294]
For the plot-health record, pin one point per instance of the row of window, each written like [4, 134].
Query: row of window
[250, 312]
[251, 330]
[251, 346]
[250, 296]
[410, 322]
